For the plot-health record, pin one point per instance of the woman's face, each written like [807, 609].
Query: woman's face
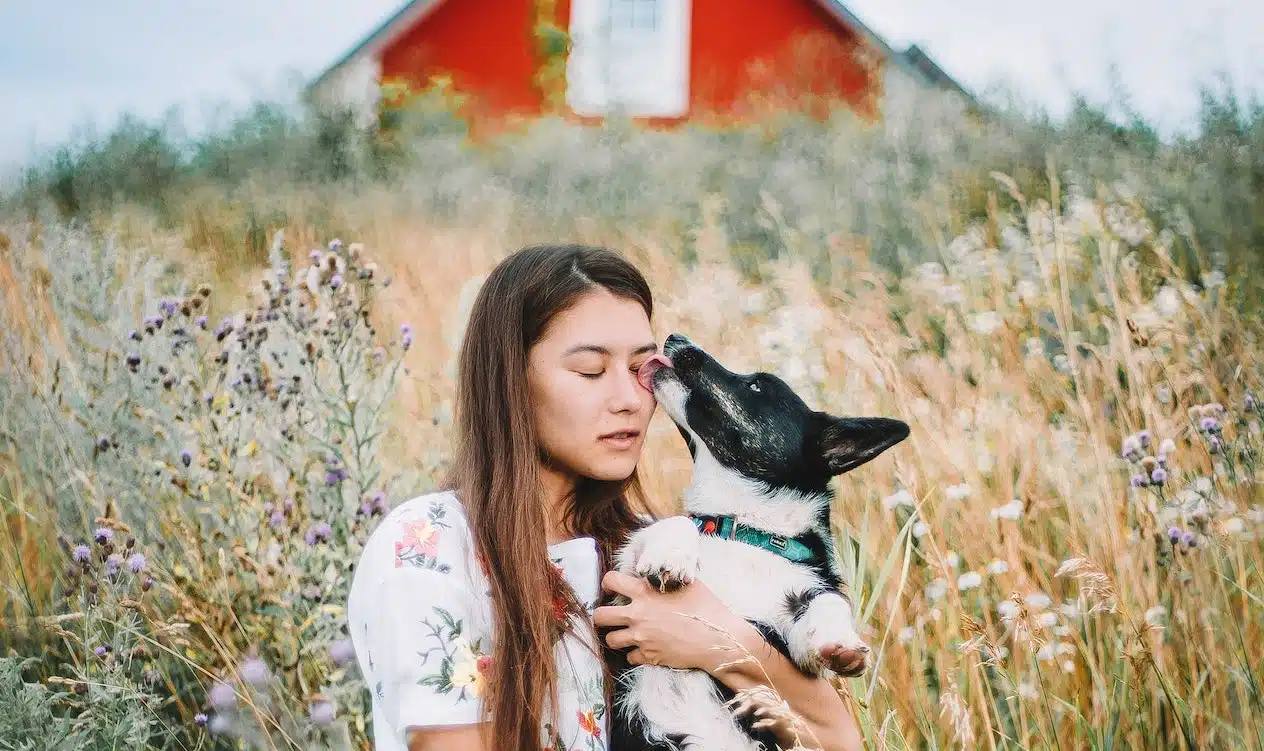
[590, 412]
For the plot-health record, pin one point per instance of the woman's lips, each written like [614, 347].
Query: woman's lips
[645, 375]
[621, 440]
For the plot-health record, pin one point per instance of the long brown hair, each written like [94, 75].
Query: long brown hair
[496, 470]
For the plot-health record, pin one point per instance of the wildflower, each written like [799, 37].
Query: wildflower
[133, 361]
[906, 635]
[324, 531]
[1132, 448]
[1233, 526]
[103, 535]
[1188, 539]
[366, 509]
[82, 554]
[136, 563]
[920, 529]
[222, 696]
[1214, 446]
[342, 652]
[310, 537]
[1249, 403]
[406, 332]
[335, 475]
[336, 281]
[186, 457]
[1144, 438]
[969, 580]
[1068, 666]
[277, 519]
[101, 651]
[1011, 511]
[380, 505]
[936, 589]
[1174, 534]
[220, 724]
[1007, 609]
[288, 505]
[1154, 616]
[958, 492]
[335, 245]
[1209, 425]
[898, 498]
[997, 567]
[1138, 481]
[200, 719]
[1047, 619]
[112, 564]
[146, 585]
[322, 713]
[315, 255]
[1039, 600]
[254, 671]
[952, 559]
[134, 335]
[1168, 446]
[1158, 476]
[1149, 463]
[201, 322]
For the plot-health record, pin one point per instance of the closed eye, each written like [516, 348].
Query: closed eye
[592, 376]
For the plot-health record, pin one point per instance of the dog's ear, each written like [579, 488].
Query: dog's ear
[848, 442]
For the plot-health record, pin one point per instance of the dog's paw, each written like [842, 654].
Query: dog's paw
[665, 553]
[847, 661]
[824, 637]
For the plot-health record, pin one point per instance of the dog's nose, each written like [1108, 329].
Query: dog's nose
[675, 343]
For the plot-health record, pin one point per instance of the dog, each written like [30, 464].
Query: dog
[756, 530]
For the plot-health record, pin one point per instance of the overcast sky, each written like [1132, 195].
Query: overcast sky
[65, 62]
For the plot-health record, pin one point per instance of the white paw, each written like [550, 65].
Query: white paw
[825, 638]
[667, 550]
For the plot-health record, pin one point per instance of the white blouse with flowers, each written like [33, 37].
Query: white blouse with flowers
[420, 618]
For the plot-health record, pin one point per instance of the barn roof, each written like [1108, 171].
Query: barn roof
[913, 60]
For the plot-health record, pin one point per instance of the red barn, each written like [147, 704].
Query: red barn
[662, 60]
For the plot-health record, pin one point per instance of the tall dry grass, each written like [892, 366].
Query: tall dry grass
[1026, 574]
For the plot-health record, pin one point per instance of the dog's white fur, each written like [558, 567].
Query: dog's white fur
[752, 582]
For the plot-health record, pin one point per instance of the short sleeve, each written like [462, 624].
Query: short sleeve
[433, 661]
[424, 618]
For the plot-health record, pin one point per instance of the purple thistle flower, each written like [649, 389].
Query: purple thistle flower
[1144, 438]
[335, 475]
[342, 652]
[336, 281]
[147, 584]
[1209, 425]
[186, 457]
[268, 507]
[322, 713]
[380, 505]
[103, 442]
[366, 509]
[82, 554]
[1214, 446]
[168, 307]
[288, 505]
[222, 696]
[310, 537]
[254, 671]
[112, 564]
[100, 651]
[1138, 481]
[136, 563]
[1158, 476]
[316, 255]
[200, 719]
[134, 335]
[1249, 403]
[324, 531]
[133, 361]
[277, 519]
[201, 322]
[1131, 448]
[1174, 534]
[103, 535]
[1188, 539]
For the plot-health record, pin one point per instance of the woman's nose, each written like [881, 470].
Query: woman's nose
[626, 396]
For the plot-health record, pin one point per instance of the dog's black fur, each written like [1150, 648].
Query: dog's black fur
[755, 426]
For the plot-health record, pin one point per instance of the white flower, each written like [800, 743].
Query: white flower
[986, 323]
[1066, 648]
[1039, 600]
[1035, 347]
[957, 492]
[1213, 279]
[936, 589]
[1061, 630]
[1155, 615]
[997, 567]
[1027, 690]
[906, 635]
[1007, 609]
[1167, 446]
[1027, 290]
[1233, 526]
[1046, 653]
[1069, 610]
[952, 294]
[952, 559]
[969, 580]
[920, 529]
[1167, 302]
[1047, 619]
[1068, 666]
[900, 497]
[1011, 511]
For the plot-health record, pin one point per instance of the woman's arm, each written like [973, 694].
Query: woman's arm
[463, 738]
[682, 629]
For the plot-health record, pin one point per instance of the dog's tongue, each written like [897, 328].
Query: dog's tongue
[646, 373]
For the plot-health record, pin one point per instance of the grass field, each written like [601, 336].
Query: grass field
[203, 417]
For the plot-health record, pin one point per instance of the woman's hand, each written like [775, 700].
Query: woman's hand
[654, 624]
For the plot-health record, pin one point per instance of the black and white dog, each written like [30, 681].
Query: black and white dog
[756, 531]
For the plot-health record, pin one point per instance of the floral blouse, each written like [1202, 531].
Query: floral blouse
[420, 618]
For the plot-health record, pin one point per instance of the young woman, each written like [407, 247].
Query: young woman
[472, 611]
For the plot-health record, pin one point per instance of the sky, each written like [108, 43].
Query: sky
[67, 63]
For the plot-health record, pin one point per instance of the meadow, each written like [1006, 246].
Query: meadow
[226, 357]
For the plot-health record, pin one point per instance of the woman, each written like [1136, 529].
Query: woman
[472, 611]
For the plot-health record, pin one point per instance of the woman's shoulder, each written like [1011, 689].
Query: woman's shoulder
[429, 532]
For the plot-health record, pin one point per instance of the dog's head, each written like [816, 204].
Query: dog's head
[756, 425]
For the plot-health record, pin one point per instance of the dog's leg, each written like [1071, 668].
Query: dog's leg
[822, 634]
[682, 707]
[666, 552]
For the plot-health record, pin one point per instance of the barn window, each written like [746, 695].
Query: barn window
[634, 15]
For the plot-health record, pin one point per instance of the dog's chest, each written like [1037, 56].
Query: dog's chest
[751, 581]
